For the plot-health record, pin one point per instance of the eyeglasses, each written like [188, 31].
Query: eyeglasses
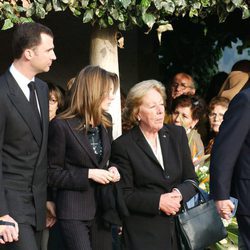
[181, 85]
[214, 115]
[52, 101]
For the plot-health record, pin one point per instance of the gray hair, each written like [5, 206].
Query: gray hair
[134, 99]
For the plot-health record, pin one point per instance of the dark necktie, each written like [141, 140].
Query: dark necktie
[33, 101]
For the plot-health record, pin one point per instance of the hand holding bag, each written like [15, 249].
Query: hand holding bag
[200, 226]
[6, 223]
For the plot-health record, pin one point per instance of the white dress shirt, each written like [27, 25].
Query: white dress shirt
[23, 82]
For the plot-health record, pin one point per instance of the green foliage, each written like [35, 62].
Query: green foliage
[191, 48]
[123, 13]
[196, 47]
[9, 14]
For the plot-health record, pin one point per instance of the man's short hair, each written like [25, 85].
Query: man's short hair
[27, 35]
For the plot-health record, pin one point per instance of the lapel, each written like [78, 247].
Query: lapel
[23, 107]
[43, 99]
[164, 140]
[43, 103]
[106, 145]
[82, 138]
[143, 144]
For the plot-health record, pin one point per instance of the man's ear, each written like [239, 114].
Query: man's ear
[28, 53]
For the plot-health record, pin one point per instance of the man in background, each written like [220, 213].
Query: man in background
[181, 84]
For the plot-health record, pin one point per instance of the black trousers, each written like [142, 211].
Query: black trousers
[244, 229]
[29, 239]
[85, 235]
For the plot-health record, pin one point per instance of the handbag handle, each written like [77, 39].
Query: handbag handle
[203, 199]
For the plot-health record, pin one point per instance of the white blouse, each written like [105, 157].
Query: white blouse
[157, 151]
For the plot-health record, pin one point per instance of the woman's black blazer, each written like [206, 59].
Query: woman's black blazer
[143, 180]
[70, 157]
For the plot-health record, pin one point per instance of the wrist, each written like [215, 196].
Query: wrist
[178, 191]
[90, 176]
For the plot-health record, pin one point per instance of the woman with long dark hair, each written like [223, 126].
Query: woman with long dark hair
[79, 150]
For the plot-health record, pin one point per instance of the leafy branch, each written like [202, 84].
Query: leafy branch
[124, 14]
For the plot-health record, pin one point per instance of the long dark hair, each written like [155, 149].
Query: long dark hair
[90, 87]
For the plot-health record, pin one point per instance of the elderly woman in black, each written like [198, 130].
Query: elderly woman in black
[154, 162]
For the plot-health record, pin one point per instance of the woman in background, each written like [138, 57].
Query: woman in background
[56, 100]
[79, 148]
[216, 110]
[56, 105]
[187, 112]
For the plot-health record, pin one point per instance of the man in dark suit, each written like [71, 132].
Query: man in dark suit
[23, 138]
[230, 164]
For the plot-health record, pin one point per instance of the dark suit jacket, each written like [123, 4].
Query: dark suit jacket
[70, 158]
[23, 158]
[143, 180]
[230, 157]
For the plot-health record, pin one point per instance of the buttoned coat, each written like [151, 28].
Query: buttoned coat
[230, 156]
[23, 157]
[70, 158]
[143, 180]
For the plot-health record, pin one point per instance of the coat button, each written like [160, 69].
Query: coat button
[166, 176]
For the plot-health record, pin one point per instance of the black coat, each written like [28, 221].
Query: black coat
[23, 158]
[143, 180]
[230, 157]
[70, 158]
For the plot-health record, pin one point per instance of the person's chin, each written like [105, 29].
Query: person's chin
[159, 123]
[216, 128]
[105, 108]
[46, 69]
[177, 124]
[159, 126]
[178, 94]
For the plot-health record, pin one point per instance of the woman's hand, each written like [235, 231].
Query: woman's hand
[115, 172]
[8, 233]
[101, 176]
[170, 203]
[177, 193]
[51, 214]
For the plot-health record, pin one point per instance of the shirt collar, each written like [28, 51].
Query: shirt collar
[19, 77]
